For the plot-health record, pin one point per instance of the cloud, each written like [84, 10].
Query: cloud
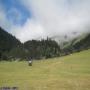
[60, 16]
[53, 17]
[31, 30]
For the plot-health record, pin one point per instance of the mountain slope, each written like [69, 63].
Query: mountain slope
[78, 44]
[83, 43]
[7, 41]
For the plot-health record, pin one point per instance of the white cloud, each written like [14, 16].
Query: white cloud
[53, 17]
[31, 30]
[60, 16]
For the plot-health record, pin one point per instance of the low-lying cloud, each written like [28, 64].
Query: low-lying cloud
[53, 17]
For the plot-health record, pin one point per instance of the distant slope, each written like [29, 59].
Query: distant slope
[12, 48]
[7, 41]
[77, 44]
[67, 40]
[74, 41]
[83, 43]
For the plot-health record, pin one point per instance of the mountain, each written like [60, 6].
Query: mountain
[12, 48]
[71, 39]
[83, 43]
[77, 44]
[65, 40]
[7, 42]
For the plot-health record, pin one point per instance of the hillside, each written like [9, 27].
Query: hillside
[71, 72]
[7, 42]
[77, 44]
[75, 40]
[38, 49]
[83, 43]
[12, 48]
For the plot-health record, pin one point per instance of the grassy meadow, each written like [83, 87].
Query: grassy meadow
[71, 72]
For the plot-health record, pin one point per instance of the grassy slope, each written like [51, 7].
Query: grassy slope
[65, 73]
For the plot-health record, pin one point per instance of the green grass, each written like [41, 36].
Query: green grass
[66, 73]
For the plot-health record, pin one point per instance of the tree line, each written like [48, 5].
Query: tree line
[12, 49]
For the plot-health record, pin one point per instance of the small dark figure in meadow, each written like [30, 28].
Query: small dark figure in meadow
[30, 61]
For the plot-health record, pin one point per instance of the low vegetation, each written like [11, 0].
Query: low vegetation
[71, 72]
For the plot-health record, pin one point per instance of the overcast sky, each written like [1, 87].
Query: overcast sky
[32, 19]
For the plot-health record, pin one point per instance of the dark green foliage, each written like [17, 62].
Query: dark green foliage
[42, 49]
[7, 43]
[12, 49]
[77, 47]
[83, 44]
[17, 53]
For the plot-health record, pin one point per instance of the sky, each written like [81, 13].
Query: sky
[33, 19]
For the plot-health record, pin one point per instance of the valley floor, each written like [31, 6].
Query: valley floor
[65, 73]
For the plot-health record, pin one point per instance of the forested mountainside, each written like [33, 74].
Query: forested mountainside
[7, 42]
[78, 45]
[12, 49]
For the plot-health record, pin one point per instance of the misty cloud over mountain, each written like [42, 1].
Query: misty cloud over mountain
[48, 18]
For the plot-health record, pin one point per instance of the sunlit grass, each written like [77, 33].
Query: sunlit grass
[66, 73]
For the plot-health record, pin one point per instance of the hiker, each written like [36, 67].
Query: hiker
[30, 61]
